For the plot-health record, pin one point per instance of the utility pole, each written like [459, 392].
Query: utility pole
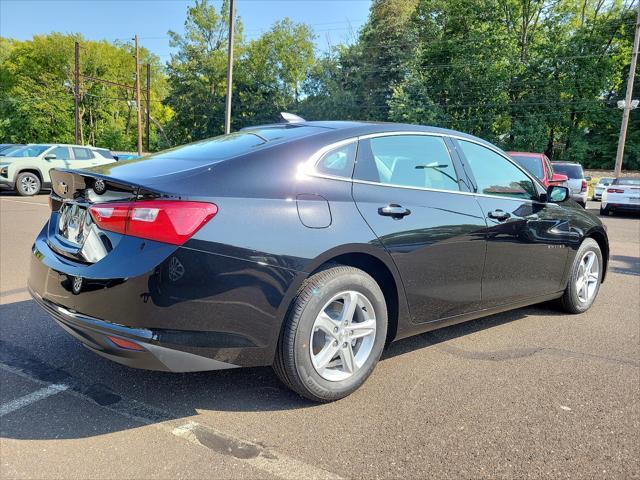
[76, 92]
[148, 119]
[628, 106]
[138, 107]
[227, 111]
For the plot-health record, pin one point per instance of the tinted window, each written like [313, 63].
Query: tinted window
[407, 160]
[495, 175]
[61, 153]
[530, 162]
[605, 181]
[626, 181]
[338, 162]
[217, 148]
[105, 153]
[568, 169]
[82, 153]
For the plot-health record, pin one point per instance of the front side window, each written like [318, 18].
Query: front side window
[338, 162]
[82, 153]
[421, 161]
[495, 175]
[61, 153]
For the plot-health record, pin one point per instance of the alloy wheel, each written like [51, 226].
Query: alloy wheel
[587, 276]
[342, 336]
[29, 185]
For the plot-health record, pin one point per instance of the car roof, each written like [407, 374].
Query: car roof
[91, 147]
[352, 128]
[541, 155]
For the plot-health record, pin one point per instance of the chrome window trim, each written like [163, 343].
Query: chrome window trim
[310, 164]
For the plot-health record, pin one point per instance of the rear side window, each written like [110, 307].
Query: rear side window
[61, 153]
[407, 160]
[495, 175]
[338, 162]
[82, 153]
[105, 153]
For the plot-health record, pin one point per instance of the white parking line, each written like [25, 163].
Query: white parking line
[274, 463]
[31, 398]
[265, 459]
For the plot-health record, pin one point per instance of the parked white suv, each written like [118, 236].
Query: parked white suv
[26, 170]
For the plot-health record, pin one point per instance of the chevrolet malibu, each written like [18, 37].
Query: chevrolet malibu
[308, 246]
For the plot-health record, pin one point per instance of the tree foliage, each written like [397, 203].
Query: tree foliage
[536, 75]
[36, 92]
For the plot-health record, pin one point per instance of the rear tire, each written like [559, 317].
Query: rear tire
[28, 184]
[315, 327]
[605, 212]
[584, 278]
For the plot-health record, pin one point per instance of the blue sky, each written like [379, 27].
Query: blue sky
[334, 21]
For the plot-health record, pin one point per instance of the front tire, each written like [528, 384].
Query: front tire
[333, 335]
[584, 278]
[28, 184]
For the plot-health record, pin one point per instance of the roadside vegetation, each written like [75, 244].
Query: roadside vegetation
[529, 75]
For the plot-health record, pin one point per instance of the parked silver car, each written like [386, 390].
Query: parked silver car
[576, 182]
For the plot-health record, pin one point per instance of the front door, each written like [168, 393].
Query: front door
[526, 239]
[407, 189]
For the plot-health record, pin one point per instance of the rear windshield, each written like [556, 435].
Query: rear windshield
[605, 181]
[235, 144]
[626, 181]
[530, 162]
[570, 170]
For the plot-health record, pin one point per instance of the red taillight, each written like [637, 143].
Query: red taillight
[614, 190]
[584, 186]
[165, 221]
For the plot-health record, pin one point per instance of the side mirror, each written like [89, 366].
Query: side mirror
[588, 179]
[50, 156]
[559, 178]
[557, 194]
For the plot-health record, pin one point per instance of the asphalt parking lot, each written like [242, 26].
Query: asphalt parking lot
[526, 394]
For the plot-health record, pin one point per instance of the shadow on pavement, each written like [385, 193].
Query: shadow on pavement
[31, 343]
[625, 265]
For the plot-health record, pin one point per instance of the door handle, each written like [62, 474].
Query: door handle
[499, 215]
[394, 211]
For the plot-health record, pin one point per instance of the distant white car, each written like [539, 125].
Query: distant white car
[26, 170]
[600, 187]
[623, 195]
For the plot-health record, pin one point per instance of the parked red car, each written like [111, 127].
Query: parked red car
[540, 166]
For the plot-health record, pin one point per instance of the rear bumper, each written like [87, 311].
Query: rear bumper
[621, 207]
[95, 335]
[188, 309]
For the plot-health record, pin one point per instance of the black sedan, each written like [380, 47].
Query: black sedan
[307, 246]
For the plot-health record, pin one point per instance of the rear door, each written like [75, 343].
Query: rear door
[84, 158]
[408, 190]
[527, 239]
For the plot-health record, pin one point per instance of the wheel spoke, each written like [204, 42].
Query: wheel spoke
[325, 323]
[362, 329]
[350, 304]
[322, 359]
[590, 258]
[348, 360]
